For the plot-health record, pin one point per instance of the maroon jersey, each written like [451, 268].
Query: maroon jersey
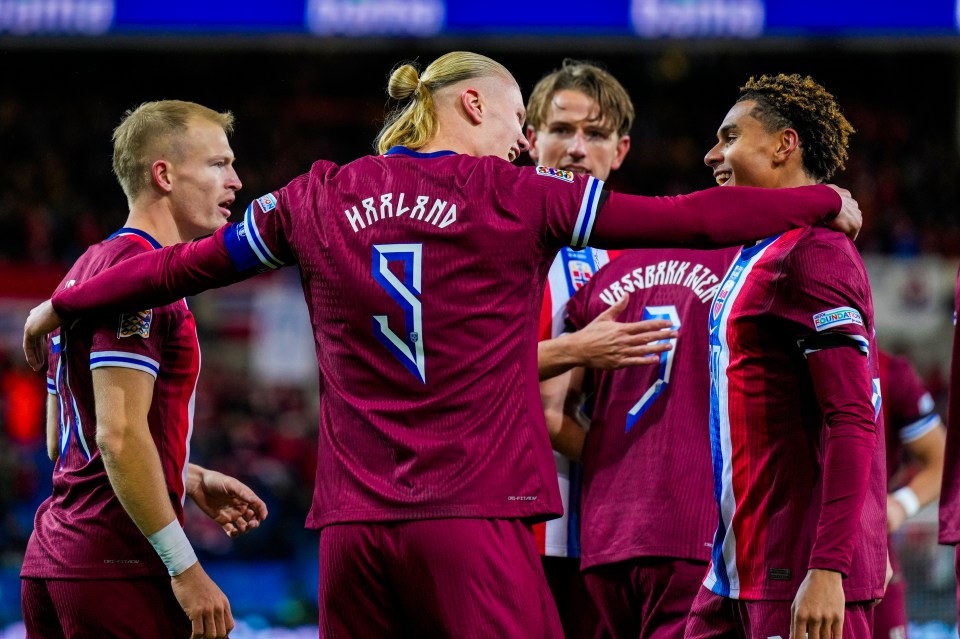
[648, 480]
[82, 531]
[909, 411]
[950, 492]
[423, 275]
[795, 401]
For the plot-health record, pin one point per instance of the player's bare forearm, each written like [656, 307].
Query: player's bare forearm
[556, 356]
[41, 321]
[924, 488]
[53, 428]
[123, 398]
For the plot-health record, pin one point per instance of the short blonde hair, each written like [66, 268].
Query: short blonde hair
[414, 124]
[153, 129]
[616, 108]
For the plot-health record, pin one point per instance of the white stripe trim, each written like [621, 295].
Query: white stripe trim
[587, 214]
[100, 356]
[118, 364]
[266, 257]
[728, 500]
[919, 428]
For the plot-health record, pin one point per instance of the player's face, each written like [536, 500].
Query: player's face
[504, 122]
[574, 137]
[204, 180]
[743, 154]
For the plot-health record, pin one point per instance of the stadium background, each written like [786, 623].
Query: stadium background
[306, 80]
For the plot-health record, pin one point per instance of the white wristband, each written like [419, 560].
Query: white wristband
[174, 548]
[908, 499]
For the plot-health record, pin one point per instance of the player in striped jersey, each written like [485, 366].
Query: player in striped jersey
[915, 443]
[120, 414]
[795, 422]
[423, 270]
[578, 120]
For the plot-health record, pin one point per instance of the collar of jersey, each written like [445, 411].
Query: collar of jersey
[402, 150]
[748, 252]
[129, 231]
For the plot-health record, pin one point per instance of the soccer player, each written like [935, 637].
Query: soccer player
[108, 556]
[798, 460]
[949, 513]
[915, 437]
[578, 120]
[423, 270]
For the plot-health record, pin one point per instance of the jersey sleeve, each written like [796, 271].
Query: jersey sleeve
[130, 340]
[717, 217]
[829, 306]
[827, 298]
[909, 407]
[561, 205]
[259, 243]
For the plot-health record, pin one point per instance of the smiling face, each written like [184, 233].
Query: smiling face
[574, 137]
[203, 179]
[746, 154]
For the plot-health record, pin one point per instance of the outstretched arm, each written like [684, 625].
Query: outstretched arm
[722, 216]
[605, 344]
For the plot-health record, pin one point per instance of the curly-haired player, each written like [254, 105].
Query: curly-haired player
[795, 423]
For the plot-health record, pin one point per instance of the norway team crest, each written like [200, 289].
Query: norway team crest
[133, 324]
[580, 273]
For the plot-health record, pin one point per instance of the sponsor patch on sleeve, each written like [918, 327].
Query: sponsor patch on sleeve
[837, 317]
[267, 203]
[560, 174]
[133, 324]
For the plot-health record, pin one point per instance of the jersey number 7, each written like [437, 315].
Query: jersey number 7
[666, 363]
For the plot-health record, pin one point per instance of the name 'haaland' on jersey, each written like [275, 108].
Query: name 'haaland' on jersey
[702, 280]
[427, 209]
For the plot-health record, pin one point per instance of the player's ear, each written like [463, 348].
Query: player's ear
[788, 143]
[623, 145]
[532, 141]
[472, 104]
[160, 172]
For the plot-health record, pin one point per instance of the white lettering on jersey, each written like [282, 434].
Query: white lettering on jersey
[700, 279]
[427, 209]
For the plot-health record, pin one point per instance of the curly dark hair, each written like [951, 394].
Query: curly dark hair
[797, 102]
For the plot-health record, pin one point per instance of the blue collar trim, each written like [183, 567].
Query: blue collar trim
[129, 231]
[402, 150]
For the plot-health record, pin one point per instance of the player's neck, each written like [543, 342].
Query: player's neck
[155, 219]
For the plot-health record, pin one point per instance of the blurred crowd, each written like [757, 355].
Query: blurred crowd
[57, 196]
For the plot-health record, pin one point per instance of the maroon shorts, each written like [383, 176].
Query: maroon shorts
[890, 615]
[578, 616]
[101, 609]
[434, 578]
[716, 617]
[645, 597]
